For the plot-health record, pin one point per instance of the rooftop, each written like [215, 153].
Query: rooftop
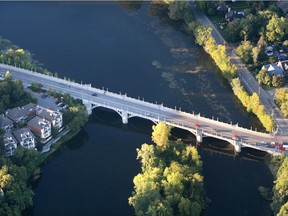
[22, 134]
[38, 122]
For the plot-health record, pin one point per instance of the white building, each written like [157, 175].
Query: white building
[25, 137]
[10, 144]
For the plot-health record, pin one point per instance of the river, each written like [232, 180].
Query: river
[130, 52]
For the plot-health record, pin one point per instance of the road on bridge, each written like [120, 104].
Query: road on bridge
[138, 108]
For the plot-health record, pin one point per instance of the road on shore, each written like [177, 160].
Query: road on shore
[249, 82]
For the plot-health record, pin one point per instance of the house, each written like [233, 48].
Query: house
[5, 123]
[231, 15]
[10, 144]
[25, 113]
[283, 65]
[40, 127]
[25, 137]
[273, 69]
[54, 117]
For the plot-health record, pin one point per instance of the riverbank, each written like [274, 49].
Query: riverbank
[17, 192]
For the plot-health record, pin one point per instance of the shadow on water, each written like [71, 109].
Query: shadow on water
[78, 141]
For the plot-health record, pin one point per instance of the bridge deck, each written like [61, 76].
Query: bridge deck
[131, 107]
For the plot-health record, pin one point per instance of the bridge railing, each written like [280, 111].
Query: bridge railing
[138, 101]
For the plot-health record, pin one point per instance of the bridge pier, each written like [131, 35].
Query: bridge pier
[124, 116]
[237, 146]
[88, 106]
[199, 136]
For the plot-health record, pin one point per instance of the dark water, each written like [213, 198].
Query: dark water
[128, 51]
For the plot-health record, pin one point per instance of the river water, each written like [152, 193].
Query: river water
[130, 52]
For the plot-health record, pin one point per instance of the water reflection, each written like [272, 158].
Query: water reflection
[78, 141]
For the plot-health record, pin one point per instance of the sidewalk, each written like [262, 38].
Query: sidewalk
[47, 146]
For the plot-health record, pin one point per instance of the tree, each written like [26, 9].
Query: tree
[202, 34]
[275, 29]
[177, 9]
[244, 51]
[255, 54]
[249, 27]
[8, 75]
[283, 210]
[170, 182]
[5, 177]
[280, 188]
[223, 62]
[263, 77]
[282, 100]
[207, 7]
[278, 80]
[232, 31]
[160, 135]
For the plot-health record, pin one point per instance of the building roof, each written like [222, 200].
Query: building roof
[4, 121]
[273, 69]
[231, 15]
[283, 65]
[23, 133]
[18, 112]
[9, 139]
[48, 114]
[38, 122]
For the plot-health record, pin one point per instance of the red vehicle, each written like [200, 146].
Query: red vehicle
[235, 137]
[281, 147]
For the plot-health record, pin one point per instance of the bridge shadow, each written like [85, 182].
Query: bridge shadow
[139, 125]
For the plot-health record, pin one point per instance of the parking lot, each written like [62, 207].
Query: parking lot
[45, 100]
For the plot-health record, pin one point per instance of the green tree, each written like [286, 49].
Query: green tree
[255, 54]
[170, 182]
[244, 51]
[202, 34]
[278, 81]
[249, 26]
[223, 62]
[282, 100]
[283, 210]
[207, 7]
[280, 188]
[160, 135]
[263, 77]
[275, 29]
[5, 177]
[177, 9]
[232, 31]
[8, 75]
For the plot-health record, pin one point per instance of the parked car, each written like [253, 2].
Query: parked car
[269, 53]
[282, 57]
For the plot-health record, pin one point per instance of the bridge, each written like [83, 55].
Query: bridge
[128, 107]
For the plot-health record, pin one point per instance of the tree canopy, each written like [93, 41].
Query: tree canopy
[282, 100]
[170, 182]
[280, 189]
